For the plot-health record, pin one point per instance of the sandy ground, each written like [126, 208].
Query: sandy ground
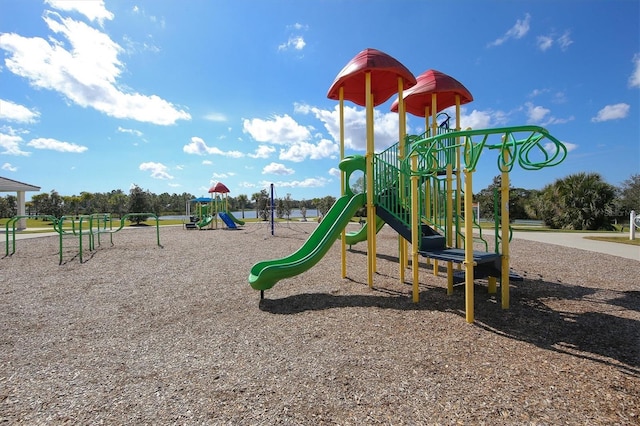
[141, 334]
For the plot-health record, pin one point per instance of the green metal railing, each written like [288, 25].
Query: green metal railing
[92, 226]
[531, 147]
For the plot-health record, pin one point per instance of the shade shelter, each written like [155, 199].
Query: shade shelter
[9, 185]
[369, 79]
[433, 92]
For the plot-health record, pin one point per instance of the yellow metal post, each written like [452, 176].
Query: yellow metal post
[449, 219]
[504, 229]
[434, 132]
[402, 130]
[415, 230]
[458, 170]
[427, 185]
[492, 288]
[468, 246]
[343, 183]
[449, 204]
[371, 211]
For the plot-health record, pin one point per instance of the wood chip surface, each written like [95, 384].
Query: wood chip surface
[141, 334]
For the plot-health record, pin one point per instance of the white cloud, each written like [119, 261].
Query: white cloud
[537, 92]
[355, 131]
[263, 151]
[519, 30]
[221, 175]
[277, 169]
[542, 116]
[10, 143]
[94, 10]
[247, 185]
[300, 151]
[634, 79]
[10, 111]
[158, 170]
[56, 145]
[207, 162]
[334, 172]
[564, 41]
[551, 148]
[86, 74]
[198, 146]
[612, 112]
[299, 27]
[545, 42]
[481, 119]
[536, 113]
[306, 183]
[8, 167]
[130, 131]
[294, 42]
[215, 116]
[282, 130]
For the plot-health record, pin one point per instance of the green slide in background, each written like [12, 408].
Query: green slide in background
[265, 274]
[352, 238]
[233, 218]
[205, 221]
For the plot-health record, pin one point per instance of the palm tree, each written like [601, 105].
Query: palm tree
[256, 197]
[242, 200]
[579, 201]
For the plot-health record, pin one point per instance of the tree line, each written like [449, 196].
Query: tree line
[579, 201]
[119, 203]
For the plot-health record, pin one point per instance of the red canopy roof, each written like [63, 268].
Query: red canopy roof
[418, 97]
[385, 71]
[219, 188]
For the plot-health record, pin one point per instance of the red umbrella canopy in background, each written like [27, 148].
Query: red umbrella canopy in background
[384, 70]
[418, 97]
[219, 188]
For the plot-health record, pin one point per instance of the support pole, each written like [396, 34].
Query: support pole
[272, 208]
[504, 230]
[632, 225]
[402, 150]
[415, 229]
[468, 245]
[371, 210]
[343, 184]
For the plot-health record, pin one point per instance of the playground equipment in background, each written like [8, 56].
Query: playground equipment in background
[422, 185]
[209, 209]
[92, 226]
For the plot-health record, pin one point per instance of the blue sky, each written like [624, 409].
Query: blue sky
[176, 96]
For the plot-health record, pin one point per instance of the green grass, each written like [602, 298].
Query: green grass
[621, 239]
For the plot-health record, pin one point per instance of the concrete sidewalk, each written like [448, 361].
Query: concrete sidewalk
[578, 240]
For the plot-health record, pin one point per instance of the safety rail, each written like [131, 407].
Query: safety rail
[534, 150]
[90, 225]
[12, 223]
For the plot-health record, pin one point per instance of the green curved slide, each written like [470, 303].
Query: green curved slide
[205, 221]
[266, 274]
[360, 235]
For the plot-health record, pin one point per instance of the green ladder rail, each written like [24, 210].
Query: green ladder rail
[11, 234]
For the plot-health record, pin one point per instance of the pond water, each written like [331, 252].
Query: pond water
[248, 214]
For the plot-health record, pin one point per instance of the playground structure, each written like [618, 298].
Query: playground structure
[422, 186]
[209, 209]
[92, 226]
